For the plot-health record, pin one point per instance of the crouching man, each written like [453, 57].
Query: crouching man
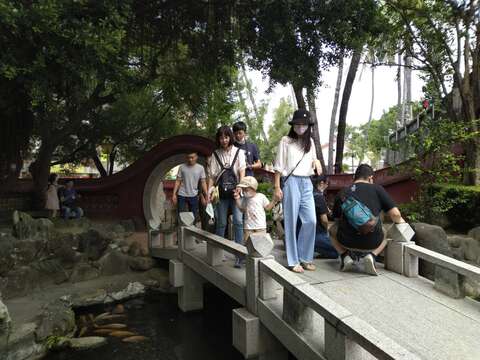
[357, 214]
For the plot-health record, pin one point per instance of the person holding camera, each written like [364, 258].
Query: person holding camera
[296, 161]
[226, 168]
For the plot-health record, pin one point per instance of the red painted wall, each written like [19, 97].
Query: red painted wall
[121, 195]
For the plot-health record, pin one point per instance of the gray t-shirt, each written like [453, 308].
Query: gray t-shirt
[190, 176]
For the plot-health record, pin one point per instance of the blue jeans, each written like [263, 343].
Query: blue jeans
[72, 212]
[188, 204]
[298, 204]
[221, 211]
[323, 246]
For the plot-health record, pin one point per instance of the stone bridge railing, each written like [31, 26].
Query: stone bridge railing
[281, 310]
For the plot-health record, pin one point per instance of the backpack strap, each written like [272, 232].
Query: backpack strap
[218, 160]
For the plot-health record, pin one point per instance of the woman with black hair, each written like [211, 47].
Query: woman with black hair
[296, 161]
[226, 168]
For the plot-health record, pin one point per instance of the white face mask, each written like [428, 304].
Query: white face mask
[248, 193]
[300, 129]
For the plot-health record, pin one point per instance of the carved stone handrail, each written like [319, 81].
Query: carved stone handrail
[414, 252]
[341, 327]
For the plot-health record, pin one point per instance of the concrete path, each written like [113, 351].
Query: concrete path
[408, 310]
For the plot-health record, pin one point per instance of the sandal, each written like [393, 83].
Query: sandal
[309, 266]
[296, 269]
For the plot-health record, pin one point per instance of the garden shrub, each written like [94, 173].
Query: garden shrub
[460, 204]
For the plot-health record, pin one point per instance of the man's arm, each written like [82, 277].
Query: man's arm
[324, 221]
[395, 215]
[178, 182]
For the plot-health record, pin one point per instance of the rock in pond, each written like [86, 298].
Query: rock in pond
[87, 343]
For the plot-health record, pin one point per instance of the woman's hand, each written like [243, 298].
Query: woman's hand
[317, 166]
[278, 194]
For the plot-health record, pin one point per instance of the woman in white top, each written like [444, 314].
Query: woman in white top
[226, 168]
[52, 203]
[296, 161]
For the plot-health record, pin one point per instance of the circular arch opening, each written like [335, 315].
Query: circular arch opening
[154, 197]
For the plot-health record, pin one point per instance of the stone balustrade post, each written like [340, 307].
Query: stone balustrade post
[340, 347]
[190, 295]
[296, 314]
[187, 241]
[410, 265]
[215, 255]
[259, 246]
[250, 337]
[399, 236]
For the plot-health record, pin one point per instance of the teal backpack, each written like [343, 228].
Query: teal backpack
[358, 214]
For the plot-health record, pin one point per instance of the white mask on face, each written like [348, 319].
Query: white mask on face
[248, 193]
[300, 129]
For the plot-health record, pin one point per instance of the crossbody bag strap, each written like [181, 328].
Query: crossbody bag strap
[295, 168]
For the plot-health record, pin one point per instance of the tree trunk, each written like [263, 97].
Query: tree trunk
[472, 162]
[316, 134]
[399, 91]
[111, 161]
[40, 171]
[298, 91]
[98, 164]
[408, 88]
[342, 119]
[252, 100]
[372, 102]
[333, 117]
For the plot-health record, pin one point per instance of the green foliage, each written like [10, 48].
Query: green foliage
[266, 188]
[292, 41]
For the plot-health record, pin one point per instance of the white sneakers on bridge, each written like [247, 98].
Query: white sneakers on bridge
[348, 263]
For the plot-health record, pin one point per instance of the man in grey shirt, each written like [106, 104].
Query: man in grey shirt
[185, 192]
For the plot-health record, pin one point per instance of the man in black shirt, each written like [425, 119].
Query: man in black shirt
[252, 156]
[347, 238]
[323, 245]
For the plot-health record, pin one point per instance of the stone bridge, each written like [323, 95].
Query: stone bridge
[327, 314]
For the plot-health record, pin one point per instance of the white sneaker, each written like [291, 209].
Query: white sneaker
[369, 264]
[347, 263]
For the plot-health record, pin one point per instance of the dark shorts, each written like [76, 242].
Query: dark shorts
[351, 240]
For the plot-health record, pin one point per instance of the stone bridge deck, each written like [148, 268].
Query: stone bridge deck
[407, 310]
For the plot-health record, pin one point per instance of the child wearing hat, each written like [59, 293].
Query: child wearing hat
[253, 205]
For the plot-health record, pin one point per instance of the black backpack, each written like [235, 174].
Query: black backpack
[227, 180]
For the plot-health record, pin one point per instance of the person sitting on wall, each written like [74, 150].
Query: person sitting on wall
[323, 245]
[359, 228]
[68, 199]
[185, 193]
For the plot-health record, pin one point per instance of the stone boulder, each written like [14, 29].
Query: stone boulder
[7, 258]
[449, 282]
[26, 227]
[50, 270]
[113, 263]
[434, 238]
[29, 250]
[471, 249]
[87, 343]
[475, 233]
[84, 272]
[141, 263]
[5, 325]
[93, 243]
[55, 319]
[20, 281]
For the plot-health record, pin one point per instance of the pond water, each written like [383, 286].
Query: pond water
[171, 334]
